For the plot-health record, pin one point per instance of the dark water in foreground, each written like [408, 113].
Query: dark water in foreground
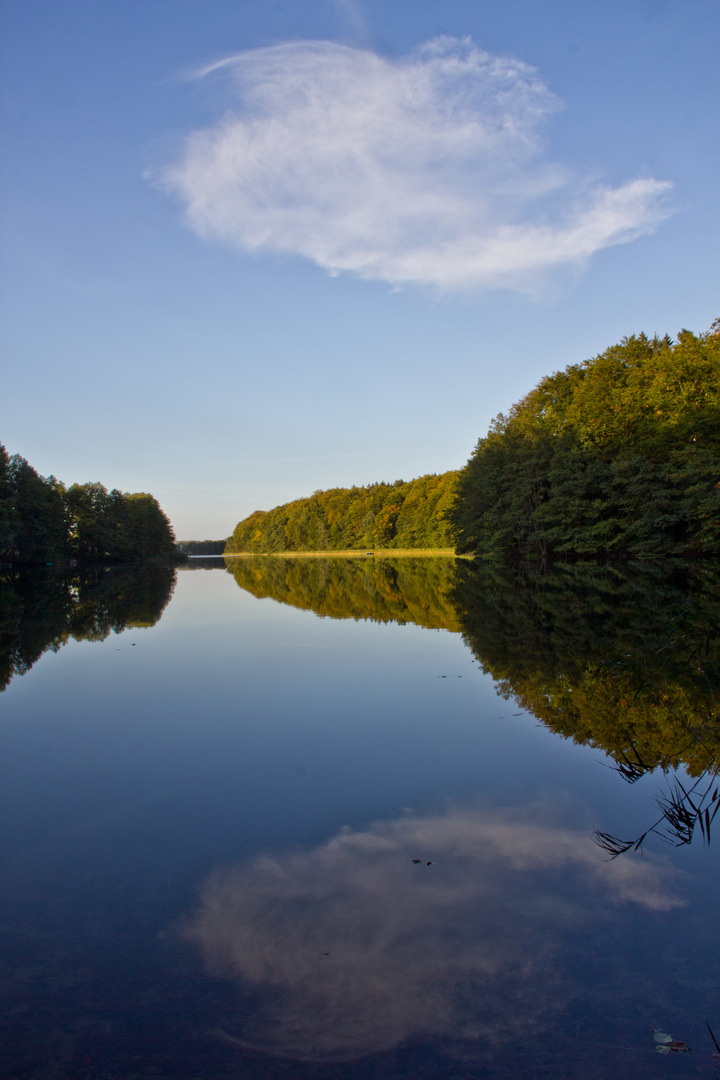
[239, 840]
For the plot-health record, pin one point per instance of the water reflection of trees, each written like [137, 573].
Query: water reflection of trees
[623, 657]
[626, 659]
[43, 610]
[402, 590]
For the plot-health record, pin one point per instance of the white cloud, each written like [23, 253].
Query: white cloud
[424, 170]
[351, 948]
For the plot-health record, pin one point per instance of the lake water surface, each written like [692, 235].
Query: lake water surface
[334, 818]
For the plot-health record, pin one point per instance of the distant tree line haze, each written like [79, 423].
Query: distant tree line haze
[42, 521]
[200, 547]
[390, 516]
[619, 455]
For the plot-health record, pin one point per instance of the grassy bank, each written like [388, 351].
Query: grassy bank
[381, 553]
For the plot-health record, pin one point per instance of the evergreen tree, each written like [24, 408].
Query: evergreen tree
[8, 515]
[40, 513]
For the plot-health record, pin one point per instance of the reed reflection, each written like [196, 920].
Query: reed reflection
[451, 926]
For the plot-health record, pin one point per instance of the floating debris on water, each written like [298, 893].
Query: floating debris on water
[666, 1043]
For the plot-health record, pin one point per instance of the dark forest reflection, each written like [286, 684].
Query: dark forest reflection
[624, 657]
[42, 609]
[620, 657]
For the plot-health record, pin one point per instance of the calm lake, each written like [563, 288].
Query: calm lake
[335, 819]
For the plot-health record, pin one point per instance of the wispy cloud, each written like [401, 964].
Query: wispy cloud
[352, 947]
[427, 169]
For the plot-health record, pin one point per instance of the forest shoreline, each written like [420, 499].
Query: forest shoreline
[379, 553]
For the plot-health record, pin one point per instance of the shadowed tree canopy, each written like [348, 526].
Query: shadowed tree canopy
[617, 455]
[41, 521]
[34, 520]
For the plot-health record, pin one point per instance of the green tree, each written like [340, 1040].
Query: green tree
[91, 512]
[399, 515]
[8, 515]
[117, 525]
[620, 454]
[149, 531]
[41, 521]
[39, 512]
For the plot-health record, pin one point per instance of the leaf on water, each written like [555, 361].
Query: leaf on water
[666, 1043]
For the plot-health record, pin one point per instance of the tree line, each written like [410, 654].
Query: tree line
[619, 455]
[388, 516]
[200, 547]
[615, 456]
[43, 521]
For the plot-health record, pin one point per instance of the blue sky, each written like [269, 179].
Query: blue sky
[257, 249]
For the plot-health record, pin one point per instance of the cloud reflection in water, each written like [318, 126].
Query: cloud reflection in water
[353, 948]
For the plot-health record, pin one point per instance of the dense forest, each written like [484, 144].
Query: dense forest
[619, 455]
[42, 521]
[388, 516]
[615, 456]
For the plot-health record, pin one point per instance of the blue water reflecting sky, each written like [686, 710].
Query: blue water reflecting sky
[144, 776]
